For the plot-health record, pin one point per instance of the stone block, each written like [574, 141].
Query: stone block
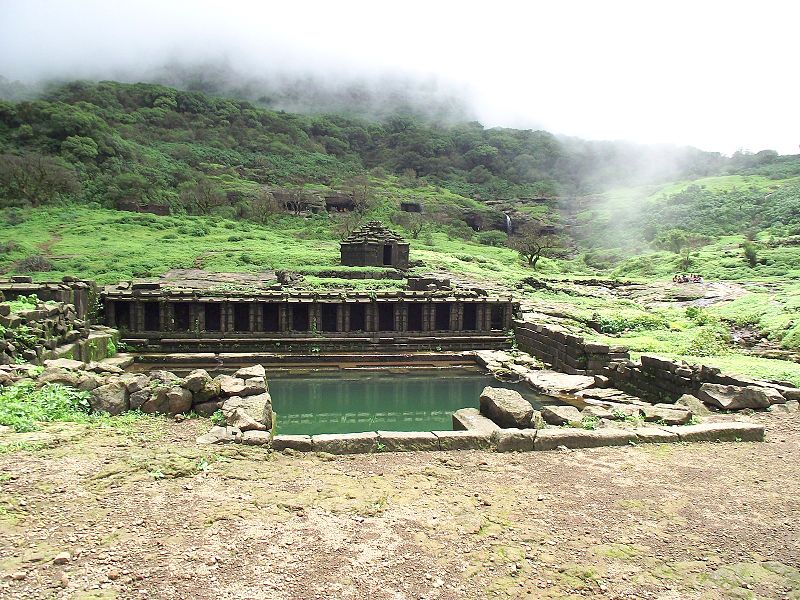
[470, 419]
[256, 438]
[463, 440]
[719, 432]
[301, 443]
[668, 416]
[514, 440]
[506, 407]
[407, 441]
[345, 443]
[655, 435]
[550, 439]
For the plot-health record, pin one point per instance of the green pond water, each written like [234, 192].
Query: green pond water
[347, 402]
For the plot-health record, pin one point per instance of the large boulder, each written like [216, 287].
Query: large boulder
[249, 413]
[111, 398]
[136, 383]
[506, 407]
[196, 380]
[180, 400]
[732, 397]
[561, 415]
[158, 401]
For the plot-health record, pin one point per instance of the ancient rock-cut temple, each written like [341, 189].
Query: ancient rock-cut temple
[374, 245]
[177, 320]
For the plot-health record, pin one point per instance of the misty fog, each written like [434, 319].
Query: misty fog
[716, 76]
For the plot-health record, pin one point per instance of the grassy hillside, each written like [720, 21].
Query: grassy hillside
[67, 160]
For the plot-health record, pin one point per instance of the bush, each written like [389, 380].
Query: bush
[617, 323]
[35, 263]
[22, 405]
[493, 238]
[709, 341]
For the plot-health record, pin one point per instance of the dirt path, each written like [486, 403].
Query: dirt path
[151, 515]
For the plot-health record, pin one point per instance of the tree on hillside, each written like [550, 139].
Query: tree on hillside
[33, 178]
[359, 188]
[415, 223]
[532, 243]
[201, 197]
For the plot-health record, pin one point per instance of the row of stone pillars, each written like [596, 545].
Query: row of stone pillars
[285, 317]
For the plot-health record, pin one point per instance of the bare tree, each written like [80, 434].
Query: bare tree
[361, 192]
[413, 222]
[532, 243]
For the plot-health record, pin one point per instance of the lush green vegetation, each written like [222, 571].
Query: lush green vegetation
[67, 159]
[22, 406]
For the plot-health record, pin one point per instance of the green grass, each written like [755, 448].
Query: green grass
[24, 407]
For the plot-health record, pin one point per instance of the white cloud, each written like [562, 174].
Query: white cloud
[715, 74]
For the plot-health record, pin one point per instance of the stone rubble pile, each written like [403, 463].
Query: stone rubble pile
[32, 335]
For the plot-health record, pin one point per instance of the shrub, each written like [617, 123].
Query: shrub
[35, 263]
[493, 238]
[617, 323]
[22, 405]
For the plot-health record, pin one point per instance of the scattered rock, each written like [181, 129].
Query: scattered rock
[180, 400]
[65, 363]
[666, 415]
[251, 412]
[256, 438]
[470, 419]
[62, 558]
[555, 383]
[506, 407]
[230, 386]
[560, 415]
[196, 380]
[248, 372]
[731, 397]
[218, 435]
[694, 404]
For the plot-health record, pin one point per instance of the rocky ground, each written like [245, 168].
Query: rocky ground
[143, 512]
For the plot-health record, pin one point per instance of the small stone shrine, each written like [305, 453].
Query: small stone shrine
[374, 245]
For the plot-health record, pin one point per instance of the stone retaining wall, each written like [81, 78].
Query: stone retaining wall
[658, 379]
[82, 295]
[565, 351]
[51, 330]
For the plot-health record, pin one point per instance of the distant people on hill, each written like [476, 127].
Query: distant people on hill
[691, 278]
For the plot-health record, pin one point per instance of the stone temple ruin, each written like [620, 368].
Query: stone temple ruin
[374, 245]
[592, 394]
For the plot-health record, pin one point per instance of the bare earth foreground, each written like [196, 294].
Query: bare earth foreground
[148, 514]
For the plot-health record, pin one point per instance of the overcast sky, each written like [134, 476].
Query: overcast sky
[719, 75]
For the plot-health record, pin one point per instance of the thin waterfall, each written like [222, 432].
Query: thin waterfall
[508, 223]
